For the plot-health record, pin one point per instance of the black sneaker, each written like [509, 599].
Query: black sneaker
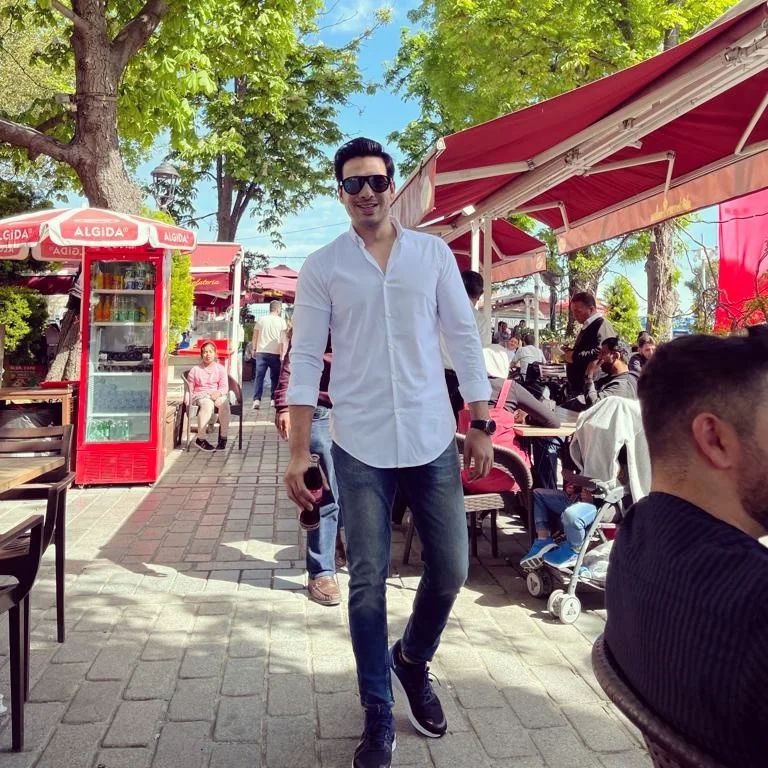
[421, 702]
[378, 740]
[203, 444]
[222, 444]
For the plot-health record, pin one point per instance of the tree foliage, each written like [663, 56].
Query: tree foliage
[472, 60]
[23, 312]
[623, 308]
[20, 197]
[142, 68]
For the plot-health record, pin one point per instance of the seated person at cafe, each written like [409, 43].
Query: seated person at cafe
[646, 346]
[502, 333]
[528, 353]
[209, 389]
[687, 585]
[576, 512]
[617, 379]
[474, 286]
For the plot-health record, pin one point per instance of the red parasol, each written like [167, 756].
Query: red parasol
[63, 234]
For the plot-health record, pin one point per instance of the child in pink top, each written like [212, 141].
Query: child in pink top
[209, 385]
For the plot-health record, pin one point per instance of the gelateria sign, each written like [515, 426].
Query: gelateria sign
[214, 283]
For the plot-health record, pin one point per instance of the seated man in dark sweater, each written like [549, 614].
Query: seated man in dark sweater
[617, 379]
[687, 588]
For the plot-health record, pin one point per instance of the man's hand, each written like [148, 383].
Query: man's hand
[478, 454]
[294, 481]
[592, 369]
[283, 424]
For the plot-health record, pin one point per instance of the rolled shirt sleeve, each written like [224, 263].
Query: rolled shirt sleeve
[311, 320]
[459, 329]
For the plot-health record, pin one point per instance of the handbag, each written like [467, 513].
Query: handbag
[506, 428]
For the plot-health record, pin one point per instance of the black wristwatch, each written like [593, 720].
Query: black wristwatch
[488, 426]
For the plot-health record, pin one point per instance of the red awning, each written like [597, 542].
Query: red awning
[515, 253]
[48, 285]
[215, 256]
[593, 150]
[278, 283]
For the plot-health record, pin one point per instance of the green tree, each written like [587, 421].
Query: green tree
[623, 309]
[139, 70]
[473, 60]
[15, 198]
[23, 313]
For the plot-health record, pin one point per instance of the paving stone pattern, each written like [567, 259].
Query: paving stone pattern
[191, 642]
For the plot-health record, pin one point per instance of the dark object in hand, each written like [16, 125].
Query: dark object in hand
[309, 519]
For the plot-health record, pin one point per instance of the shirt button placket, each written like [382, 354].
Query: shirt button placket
[388, 318]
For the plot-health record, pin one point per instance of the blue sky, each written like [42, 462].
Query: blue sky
[373, 116]
[376, 116]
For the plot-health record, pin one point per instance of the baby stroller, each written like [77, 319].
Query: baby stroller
[609, 449]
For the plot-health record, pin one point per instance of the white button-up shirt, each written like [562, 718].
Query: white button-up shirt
[390, 401]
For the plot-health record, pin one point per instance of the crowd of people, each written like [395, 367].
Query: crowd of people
[376, 413]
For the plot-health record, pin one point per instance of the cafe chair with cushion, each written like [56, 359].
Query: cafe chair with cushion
[52, 487]
[27, 539]
[506, 488]
[189, 410]
[667, 748]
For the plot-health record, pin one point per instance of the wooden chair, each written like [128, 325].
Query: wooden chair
[478, 506]
[27, 539]
[189, 409]
[53, 488]
[667, 748]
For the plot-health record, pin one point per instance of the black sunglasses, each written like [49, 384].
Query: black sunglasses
[376, 181]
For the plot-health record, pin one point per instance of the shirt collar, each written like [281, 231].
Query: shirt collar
[359, 240]
[591, 319]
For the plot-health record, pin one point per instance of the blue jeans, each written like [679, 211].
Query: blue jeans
[264, 361]
[576, 518]
[321, 543]
[436, 500]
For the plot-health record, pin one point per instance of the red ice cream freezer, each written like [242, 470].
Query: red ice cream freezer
[124, 369]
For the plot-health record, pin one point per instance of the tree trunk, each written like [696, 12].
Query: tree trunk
[578, 281]
[662, 294]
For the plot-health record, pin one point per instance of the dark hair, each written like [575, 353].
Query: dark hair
[585, 298]
[693, 374]
[502, 322]
[473, 283]
[619, 347]
[756, 331]
[361, 147]
[644, 338]
[529, 340]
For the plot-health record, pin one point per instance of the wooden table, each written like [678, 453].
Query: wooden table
[15, 471]
[528, 430]
[21, 395]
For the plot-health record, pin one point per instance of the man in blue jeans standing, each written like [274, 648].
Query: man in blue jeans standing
[386, 294]
[324, 548]
[268, 347]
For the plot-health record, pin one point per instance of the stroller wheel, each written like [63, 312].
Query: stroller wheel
[539, 583]
[569, 609]
[553, 604]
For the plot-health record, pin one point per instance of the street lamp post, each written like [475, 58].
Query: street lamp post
[165, 182]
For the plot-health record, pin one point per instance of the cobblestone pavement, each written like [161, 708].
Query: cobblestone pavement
[191, 643]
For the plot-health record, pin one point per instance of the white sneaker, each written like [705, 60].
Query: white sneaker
[256, 405]
[271, 403]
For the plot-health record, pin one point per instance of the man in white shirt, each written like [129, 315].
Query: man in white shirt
[528, 353]
[268, 347]
[386, 294]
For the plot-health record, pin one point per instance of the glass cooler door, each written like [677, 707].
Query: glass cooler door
[120, 355]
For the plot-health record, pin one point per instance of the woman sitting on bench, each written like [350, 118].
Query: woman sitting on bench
[209, 387]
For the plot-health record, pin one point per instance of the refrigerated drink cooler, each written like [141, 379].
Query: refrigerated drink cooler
[124, 366]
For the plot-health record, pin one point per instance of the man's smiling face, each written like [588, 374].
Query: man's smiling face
[367, 209]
